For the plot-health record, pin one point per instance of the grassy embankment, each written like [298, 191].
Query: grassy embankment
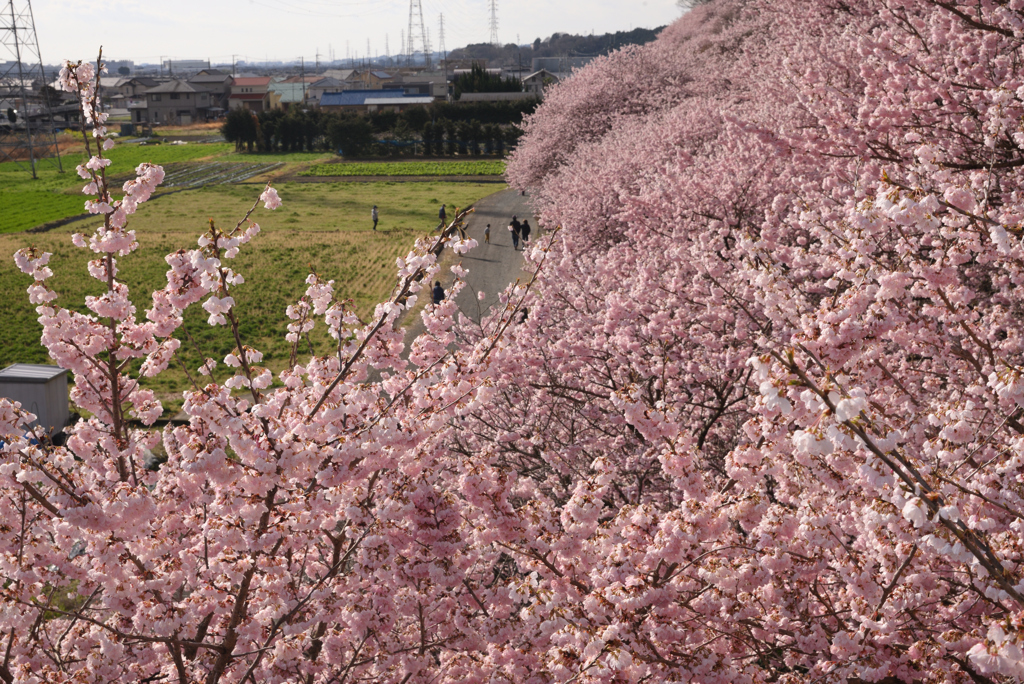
[323, 225]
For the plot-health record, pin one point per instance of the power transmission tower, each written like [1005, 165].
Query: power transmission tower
[494, 23]
[444, 55]
[440, 40]
[416, 26]
[26, 128]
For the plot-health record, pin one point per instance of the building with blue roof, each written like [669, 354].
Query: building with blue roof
[370, 100]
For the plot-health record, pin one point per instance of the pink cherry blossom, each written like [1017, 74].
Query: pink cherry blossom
[270, 198]
[755, 417]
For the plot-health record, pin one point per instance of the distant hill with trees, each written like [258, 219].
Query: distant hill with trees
[557, 45]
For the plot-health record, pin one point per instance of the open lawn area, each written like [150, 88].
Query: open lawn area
[325, 226]
[29, 202]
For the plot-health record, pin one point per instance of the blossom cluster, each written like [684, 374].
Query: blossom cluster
[755, 416]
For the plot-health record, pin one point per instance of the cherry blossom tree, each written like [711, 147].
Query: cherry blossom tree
[295, 533]
[823, 175]
[757, 416]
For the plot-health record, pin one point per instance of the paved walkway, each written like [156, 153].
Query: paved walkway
[491, 266]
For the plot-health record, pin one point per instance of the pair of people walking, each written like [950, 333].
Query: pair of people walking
[520, 231]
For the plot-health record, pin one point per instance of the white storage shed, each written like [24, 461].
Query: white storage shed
[42, 390]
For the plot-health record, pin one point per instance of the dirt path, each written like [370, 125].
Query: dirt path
[491, 266]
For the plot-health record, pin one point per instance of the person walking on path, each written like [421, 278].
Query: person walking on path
[442, 215]
[515, 228]
[374, 216]
[525, 230]
[487, 234]
[438, 292]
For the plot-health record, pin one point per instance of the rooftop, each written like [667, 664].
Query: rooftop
[326, 82]
[289, 92]
[340, 74]
[30, 372]
[356, 98]
[252, 81]
[143, 80]
[210, 78]
[407, 100]
[175, 86]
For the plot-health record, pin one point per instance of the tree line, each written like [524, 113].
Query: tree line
[442, 129]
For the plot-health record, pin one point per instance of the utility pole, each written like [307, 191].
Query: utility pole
[234, 67]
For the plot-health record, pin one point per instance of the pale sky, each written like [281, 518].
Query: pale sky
[256, 30]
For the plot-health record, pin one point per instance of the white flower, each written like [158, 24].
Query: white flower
[914, 512]
[848, 409]
[270, 198]
[808, 442]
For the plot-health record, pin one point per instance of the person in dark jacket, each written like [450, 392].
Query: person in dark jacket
[516, 231]
[442, 215]
[438, 292]
[525, 231]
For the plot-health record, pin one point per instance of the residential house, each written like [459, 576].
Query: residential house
[252, 93]
[217, 83]
[328, 84]
[138, 111]
[377, 79]
[135, 87]
[175, 102]
[285, 95]
[537, 81]
[350, 76]
[108, 88]
[423, 83]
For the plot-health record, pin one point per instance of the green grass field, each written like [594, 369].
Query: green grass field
[323, 225]
[53, 195]
[424, 168]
